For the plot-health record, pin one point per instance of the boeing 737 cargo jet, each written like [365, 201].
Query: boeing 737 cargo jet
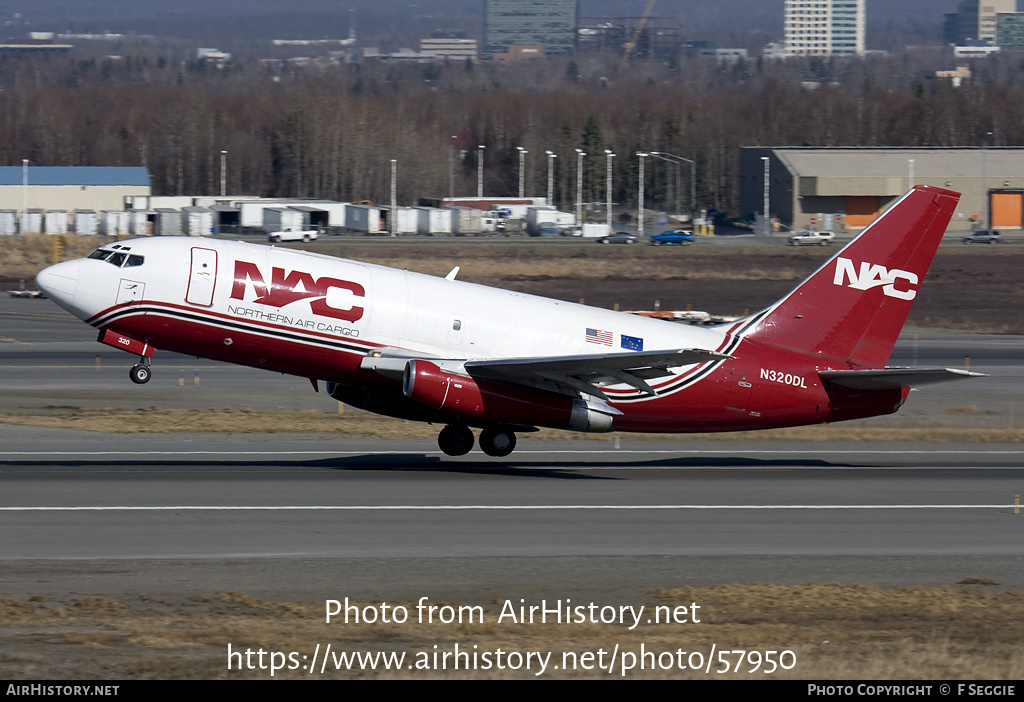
[467, 356]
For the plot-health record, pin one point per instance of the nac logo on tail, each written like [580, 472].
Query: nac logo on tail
[871, 275]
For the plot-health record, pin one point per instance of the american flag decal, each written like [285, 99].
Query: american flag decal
[599, 336]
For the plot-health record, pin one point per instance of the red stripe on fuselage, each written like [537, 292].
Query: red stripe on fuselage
[240, 340]
[97, 320]
[258, 350]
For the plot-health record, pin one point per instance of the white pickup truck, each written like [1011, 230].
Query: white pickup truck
[812, 239]
[292, 235]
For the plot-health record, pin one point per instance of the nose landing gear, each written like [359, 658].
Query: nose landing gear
[140, 372]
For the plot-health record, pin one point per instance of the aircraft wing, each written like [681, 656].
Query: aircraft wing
[890, 378]
[569, 374]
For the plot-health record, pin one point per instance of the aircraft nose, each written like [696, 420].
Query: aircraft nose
[60, 282]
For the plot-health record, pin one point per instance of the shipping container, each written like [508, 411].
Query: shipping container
[433, 221]
[86, 223]
[198, 221]
[115, 223]
[168, 222]
[406, 220]
[31, 222]
[56, 222]
[596, 230]
[8, 222]
[276, 219]
[142, 222]
[367, 219]
[468, 221]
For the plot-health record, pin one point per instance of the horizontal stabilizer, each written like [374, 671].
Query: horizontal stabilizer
[891, 378]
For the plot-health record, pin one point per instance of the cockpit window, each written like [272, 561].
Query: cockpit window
[118, 257]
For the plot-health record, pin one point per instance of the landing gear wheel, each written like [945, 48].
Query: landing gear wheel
[497, 442]
[139, 374]
[455, 440]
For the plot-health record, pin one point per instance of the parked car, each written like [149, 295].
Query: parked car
[984, 236]
[292, 235]
[617, 238]
[812, 239]
[676, 236]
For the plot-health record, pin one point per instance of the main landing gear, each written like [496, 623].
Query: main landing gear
[457, 440]
[140, 372]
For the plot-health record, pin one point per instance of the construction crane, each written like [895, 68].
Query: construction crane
[631, 44]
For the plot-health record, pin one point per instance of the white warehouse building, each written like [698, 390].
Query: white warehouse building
[70, 188]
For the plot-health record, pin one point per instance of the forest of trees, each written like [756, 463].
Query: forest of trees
[331, 131]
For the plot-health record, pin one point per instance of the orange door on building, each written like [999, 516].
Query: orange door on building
[861, 211]
[1007, 210]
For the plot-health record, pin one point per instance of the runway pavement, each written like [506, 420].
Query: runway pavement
[303, 516]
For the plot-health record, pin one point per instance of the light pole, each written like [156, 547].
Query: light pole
[984, 179]
[910, 172]
[223, 173]
[767, 204]
[522, 167]
[480, 171]
[394, 197]
[24, 190]
[551, 171]
[451, 184]
[579, 186]
[640, 213]
[672, 158]
[608, 187]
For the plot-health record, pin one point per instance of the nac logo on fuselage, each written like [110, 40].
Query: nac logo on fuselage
[286, 289]
[871, 275]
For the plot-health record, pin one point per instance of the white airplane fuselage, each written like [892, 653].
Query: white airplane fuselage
[441, 350]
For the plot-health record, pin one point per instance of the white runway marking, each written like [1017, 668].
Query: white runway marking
[597, 452]
[457, 508]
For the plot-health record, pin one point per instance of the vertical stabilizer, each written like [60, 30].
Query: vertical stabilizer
[851, 310]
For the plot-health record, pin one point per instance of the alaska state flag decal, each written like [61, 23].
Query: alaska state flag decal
[633, 343]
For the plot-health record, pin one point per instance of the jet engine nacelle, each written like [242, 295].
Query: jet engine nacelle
[428, 384]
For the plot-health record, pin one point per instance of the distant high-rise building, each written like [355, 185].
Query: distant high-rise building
[552, 23]
[452, 46]
[1010, 31]
[824, 27]
[975, 21]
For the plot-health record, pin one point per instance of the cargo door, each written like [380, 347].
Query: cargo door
[738, 389]
[202, 278]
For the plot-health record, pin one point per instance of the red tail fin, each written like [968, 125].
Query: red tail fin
[852, 309]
